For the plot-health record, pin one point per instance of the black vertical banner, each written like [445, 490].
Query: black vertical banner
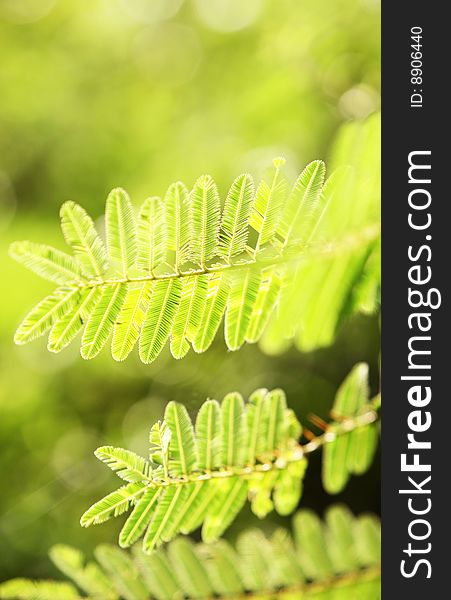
[416, 356]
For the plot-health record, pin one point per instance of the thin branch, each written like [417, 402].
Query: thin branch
[367, 235]
[338, 581]
[370, 415]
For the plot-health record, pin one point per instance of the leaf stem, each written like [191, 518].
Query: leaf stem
[298, 453]
[367, 235]
[303, 589]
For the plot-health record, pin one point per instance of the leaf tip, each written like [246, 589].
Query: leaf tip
[14, 250]
[20, 338]
[84, 521]
[361, 369]
[279, 161]
[66, 206]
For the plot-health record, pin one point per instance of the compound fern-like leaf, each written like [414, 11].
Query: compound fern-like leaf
[274, 269]
[335, 558]
[202, 476]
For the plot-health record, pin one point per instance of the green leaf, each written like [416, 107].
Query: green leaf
[159, 438]
[152, 235]
[47, 262]
[335, 473]
[234, 230]
[66, 328]
[113, 504]
[340, 538]
[161, 528]
[323, 289]
[243, 295]
[362, 447]
[223, 567]
[130, 319]
[338, 558]
[126, 464]
[140, 517]
[303, 203]
[189, 569]
[229, 499]
[237, 451]
[24, 589]
[286, 564]
[255, 425]
[182, 503]
[205, 215]
[353, 392]
[267, 206]
[367, 535]
[79, 232]
[233, 430]
[350, 451]
[197, 504]
[293, 428]
[265, 302]
[177, 222]
[312, 548]
[189, 313]
[122, 571]
[274, 411]
[255, 559]
[121, 230]
[288, 487]
[159, 318]
[277, 272]
[182, 446]
[101, 322]
[330, 282]
[208, 435]
[260, 489]
[87, 575]
[217, 294]
[49, 311]
[157, 573]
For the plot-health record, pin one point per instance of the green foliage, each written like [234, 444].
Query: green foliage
[181, 266]
[87, 575]
[25, 589]
[349, 453]
[321, 560]
[344, 278]
[173, 275]
[237, 451]
[76, 137]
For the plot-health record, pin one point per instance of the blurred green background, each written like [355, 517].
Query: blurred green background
[140, 93]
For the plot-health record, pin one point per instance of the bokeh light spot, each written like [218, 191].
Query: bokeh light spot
[228, 16]
[25, 11]
[150, 11]
[170, 53]
[358, 102]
